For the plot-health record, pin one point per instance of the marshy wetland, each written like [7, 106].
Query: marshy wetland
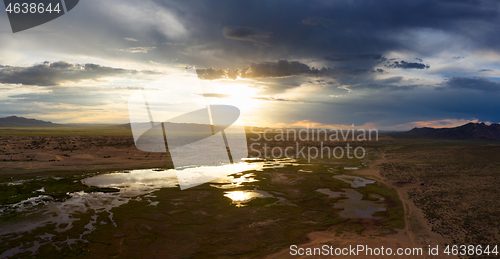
[405, 192]
[261, 208]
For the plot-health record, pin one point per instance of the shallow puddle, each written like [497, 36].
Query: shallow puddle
[355, 181]
[231, 181]
[330, 193]
[135, 182]
[355, 207]
[241, 197]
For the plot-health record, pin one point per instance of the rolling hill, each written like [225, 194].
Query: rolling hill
[14, 121]
[466, 131]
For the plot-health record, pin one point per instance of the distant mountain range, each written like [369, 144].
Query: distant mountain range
[14, 121]
[466, 131]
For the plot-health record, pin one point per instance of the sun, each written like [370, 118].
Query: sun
[244, 102]
[238, 94]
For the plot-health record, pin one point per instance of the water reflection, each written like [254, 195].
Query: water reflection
[135, 182]
[240, 197]
[131, 184]
[355, 207]
[139, 185]
[330, 193]
[231, 181]
[355, 181]
[42, 210]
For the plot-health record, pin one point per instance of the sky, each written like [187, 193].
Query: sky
[390, 65]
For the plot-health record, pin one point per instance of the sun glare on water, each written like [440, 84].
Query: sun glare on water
[239, 196]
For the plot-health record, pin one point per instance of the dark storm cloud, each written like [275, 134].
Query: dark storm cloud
[55, 73]
[389, 108]
[360, 27]
[389, 85]
[219, 34]
[245, 34]
[473, 83]
[390, 80]
[377, 86]
[390, 102]
[346, 57]
[407, 65]
[313, 21]
[282, 68]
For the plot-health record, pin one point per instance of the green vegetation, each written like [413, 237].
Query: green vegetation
[22, 188]
[201, 222]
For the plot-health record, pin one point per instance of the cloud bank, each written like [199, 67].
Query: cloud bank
[56, 73]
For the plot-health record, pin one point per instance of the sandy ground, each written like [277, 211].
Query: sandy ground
[25, 155]
[417, 233]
